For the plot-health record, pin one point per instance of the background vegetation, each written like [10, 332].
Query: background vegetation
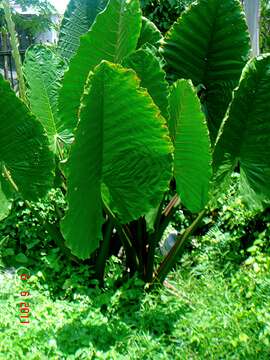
[164, 13]
[32, 25]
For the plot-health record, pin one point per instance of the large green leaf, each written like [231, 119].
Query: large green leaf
[210, 45]
[192, 163]
[245, 134]
[24, 146]
[149, 69]
[43, 71]
[112, 37]
[78, 19]
[149, 33]
[122, 148]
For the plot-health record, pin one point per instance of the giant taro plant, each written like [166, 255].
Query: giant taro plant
[122, 136]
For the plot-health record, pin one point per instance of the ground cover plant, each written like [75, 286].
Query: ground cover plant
[128, 123]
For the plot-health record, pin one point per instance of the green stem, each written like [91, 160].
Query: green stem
[154, 241]
[174, 254]
[162, 221]
[5, 49]
[140, 243]
[59, 150]
[103, 254]
[132, 257]
[15, 49]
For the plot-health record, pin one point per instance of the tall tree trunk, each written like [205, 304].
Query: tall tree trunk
[252, 10]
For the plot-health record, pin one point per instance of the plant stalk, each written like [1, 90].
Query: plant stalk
[174, 254]
[131, 253]
[103, 254]
[15, 49]
[162, 221]
[5, 49]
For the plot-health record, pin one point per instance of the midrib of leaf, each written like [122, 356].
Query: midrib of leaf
[210, 45]
[102, 131]
[78, 12]
[49, 105]
[118, 41]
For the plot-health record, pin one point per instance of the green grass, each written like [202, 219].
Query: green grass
[205, 316]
